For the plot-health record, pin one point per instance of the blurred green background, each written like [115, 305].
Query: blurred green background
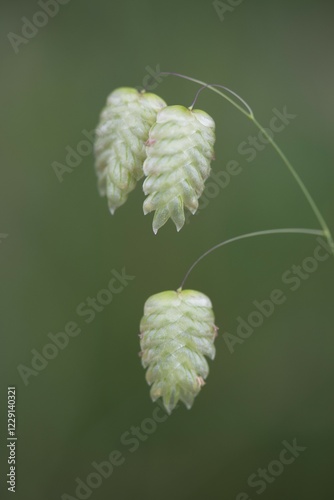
[62, 245]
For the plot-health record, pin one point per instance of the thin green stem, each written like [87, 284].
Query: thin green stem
[300, 183]
[314, 232]
[208, 86]
[250, 115]
[214, 85]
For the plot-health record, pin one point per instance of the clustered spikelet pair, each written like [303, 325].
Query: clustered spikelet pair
[176, 332]
[138, 134]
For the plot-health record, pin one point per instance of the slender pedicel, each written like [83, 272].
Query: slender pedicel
[314, 232]
[247, 106]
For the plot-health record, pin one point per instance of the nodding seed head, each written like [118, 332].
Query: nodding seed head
[179, 151]
[178, 330]
[121, 134]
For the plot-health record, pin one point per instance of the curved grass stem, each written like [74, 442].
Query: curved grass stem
[300, 183]
[315, 232]
[249, 114]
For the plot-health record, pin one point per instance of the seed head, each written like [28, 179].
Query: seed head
[120, 142]
[177, 331]
[179, 151]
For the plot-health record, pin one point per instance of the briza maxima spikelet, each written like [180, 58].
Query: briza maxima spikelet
[177, 331]
[179, 151]
[120, 142]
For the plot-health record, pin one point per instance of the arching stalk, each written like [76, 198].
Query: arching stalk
[249, 114]
[314, 232]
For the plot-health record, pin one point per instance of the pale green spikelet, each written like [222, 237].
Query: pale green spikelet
[176, 332]
[120, 142]
[179, 151]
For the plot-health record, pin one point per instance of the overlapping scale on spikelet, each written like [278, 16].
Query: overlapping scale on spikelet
[121, 134]
[177, 331]
[179, 151]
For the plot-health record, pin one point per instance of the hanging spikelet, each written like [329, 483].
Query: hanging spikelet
[179, 152]
[120, 142]
[177, 331]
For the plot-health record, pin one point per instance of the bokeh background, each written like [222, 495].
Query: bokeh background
[62, 245]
